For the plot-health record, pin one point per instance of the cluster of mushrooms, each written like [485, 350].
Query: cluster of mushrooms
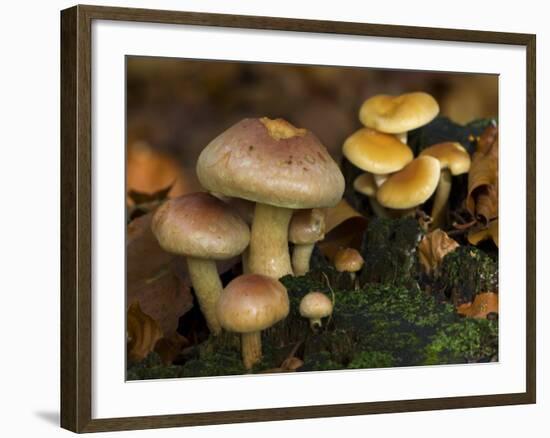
[393, 179]
[287, 177]
[269, 184]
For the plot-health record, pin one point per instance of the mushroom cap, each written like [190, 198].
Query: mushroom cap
[411, 186]
[451, 156]
[200, 225]
[271, 162]
[251, 303]
[376, 152]
[348, 260]
[307, 226]
[397, 114]
[315, 305]
[365, 184]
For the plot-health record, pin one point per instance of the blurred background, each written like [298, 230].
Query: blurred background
[176, 107]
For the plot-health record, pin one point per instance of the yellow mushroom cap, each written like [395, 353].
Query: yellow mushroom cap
[451, 156]
[365, 184]
[411, 186]
[348, 260]
[397, 114]
[376, 152]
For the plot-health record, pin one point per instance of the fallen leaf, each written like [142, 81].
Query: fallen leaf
[149, 171]
[169, 347]
[155, 278]
[483, 304]
[482, 199]
[143, 332]
[489, 232]
[433, 248]
[344, 228]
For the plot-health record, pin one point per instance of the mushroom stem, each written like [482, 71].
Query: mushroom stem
[300, 258]
[441, 198]
[315, 323]
[251, 348]
[245, 259]
[402, 137]
[377, 209]
[208, 287]
[269, 241]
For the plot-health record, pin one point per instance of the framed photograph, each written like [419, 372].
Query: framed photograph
[269, 219]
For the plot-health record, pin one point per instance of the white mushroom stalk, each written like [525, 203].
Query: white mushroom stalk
[306, 228]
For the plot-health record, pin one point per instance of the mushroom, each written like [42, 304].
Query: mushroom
[249, 304]
[366, 185]
[204, 229]
[411, 186]
[453, 160]
[378, 154]
[349, 260]
[314, 306]
[306, 228]
[281, 168]
[398, 114]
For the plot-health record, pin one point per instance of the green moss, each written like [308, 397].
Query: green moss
[469, 340]
[372, 359]
[464, 273]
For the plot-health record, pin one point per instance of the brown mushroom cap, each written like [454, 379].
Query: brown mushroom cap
[307, 226]
[365, 184]
[348, 260]
[376, 152]
[271, 162]
[200, 225]
[315, 305]
[397, 114]
[411, 186]
[251, 303]
[451, 156]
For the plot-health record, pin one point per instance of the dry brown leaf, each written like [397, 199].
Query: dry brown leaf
[483, 304]
[344, 228]
[482, 199]
[433, 247]
[155, 278]
[168, 347]
[143, 332]
[489, 232]
[149, 171]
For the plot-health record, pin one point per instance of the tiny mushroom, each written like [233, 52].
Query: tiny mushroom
[366, 185]
[377, 154]
[398, 114]
[411, 186]
[204, 229]
[306, 228]
[249, 304]
[314, 306]
[454, 160]
[281, 168]
[349, 260]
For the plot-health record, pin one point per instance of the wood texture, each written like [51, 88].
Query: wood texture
[76, 268]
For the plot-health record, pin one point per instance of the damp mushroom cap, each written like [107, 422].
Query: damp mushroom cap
[451, 155]
[200, 225]
[398, 114]
[315, 305]
[365, 184]
[307, 226]
[411, 186]
[251, 303]
[271, 162]
[348, 260]
[376, 152]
